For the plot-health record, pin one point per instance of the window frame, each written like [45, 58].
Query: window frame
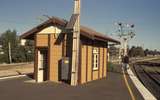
[95, 58]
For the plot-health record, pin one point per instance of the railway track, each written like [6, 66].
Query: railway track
[155, 76]
[151, 80]
[149, 63]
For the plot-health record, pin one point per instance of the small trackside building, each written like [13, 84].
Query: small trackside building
[53, 52]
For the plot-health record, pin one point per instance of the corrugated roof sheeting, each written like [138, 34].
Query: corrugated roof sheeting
[90, 33]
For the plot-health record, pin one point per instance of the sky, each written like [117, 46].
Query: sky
[101, 15]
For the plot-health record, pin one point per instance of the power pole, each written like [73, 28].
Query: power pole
[9, 52]
[75, 44]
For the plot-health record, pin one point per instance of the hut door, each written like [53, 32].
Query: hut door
[42, 65]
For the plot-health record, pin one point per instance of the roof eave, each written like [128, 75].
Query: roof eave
[84, 31]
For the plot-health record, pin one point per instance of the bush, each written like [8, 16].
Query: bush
[110, 66]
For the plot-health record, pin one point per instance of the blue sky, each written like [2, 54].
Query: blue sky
[101, 15]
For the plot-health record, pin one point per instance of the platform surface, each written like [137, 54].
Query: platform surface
[111, 88]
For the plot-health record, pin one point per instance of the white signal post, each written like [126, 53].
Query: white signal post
[125, 33]
[76, 41]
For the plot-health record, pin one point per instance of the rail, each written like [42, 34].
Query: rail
[151, 80]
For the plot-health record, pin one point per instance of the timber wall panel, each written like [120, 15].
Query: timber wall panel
[95, 74]
[83, 64]
[101, 63]
[105, 62]
[89, 71]
[55, 56]
[42, 40]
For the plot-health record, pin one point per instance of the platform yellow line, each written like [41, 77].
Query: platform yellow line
[127, 85]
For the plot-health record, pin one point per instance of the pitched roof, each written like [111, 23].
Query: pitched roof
[85, 31]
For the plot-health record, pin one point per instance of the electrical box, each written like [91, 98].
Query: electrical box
[65, 68]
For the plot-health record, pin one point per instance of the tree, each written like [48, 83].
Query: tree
[146, 52]
[18, 53]
[29, 50]
[140, 52]
[6, 38]
[132, 52]
[136, 51]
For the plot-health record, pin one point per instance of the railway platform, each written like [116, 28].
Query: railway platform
[113, 87]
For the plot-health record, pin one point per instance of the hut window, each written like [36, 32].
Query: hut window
[95, 58]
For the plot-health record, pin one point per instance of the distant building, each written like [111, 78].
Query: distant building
[1, 51]
[53, 52]
[114, 51]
